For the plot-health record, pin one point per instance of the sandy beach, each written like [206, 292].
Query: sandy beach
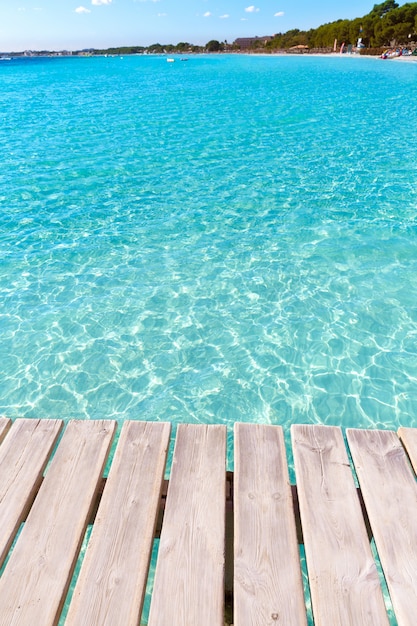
[411, 59]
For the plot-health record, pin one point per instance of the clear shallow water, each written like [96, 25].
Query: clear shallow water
[230, 238]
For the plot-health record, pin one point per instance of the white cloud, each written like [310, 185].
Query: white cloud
[224, 17]
[252, 9]
[162, 14]
[207, 14]
[82, 10]
[98, 3]
[279, 14]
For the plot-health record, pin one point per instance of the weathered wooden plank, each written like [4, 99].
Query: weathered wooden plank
[267, 580]
[189, 575]
[343, 578]
[23, 457]
[409, 438]
[111, 585]
[390, 494]
[5, 424]
[36, 578]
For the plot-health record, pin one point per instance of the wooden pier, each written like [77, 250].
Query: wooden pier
[239, 531]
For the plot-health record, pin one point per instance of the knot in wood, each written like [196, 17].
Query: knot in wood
[275, 616]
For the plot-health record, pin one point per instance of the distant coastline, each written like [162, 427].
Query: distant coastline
[387, 27]
[388, 31]
[9, 56]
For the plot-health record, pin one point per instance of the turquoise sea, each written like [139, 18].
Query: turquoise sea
[227, 238]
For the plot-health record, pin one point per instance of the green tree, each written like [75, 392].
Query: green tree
[156, 48]
[382, 9]
[342, 31]
[395, 25]
[183, 46]
[324, 36]
[355, 30]
[214, 46]
[275, 43]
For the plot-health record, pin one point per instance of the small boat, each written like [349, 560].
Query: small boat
[170, 60]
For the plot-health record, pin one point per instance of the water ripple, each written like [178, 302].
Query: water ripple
[215, 242]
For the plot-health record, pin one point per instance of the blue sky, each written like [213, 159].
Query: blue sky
[77, 24]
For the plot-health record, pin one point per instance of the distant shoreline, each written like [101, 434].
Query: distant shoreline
[5, 56]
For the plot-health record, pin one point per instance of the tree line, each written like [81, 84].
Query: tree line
[387, 22]
[384, 24]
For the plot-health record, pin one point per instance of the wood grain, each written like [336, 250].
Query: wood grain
[112, 581]
[267, 580]
[409, 438]
[5, 424]
[36, 578]
[188, 587]
[390, 493]
[343, 578]
[23, 458]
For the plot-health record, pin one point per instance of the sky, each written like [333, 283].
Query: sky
[80, 24]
